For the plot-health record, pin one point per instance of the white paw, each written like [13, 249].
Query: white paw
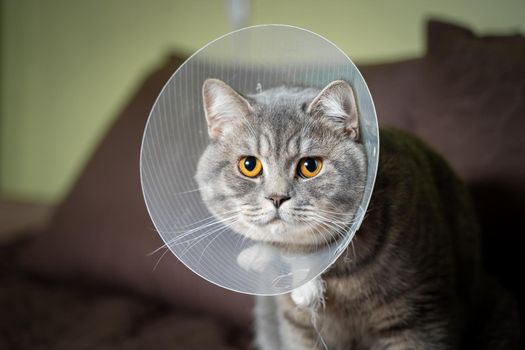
[309, 295]
[255, 258]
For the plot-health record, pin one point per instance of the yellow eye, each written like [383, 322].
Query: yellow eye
[309, 167]
[250, 166]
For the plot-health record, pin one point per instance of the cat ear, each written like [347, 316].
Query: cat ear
[223, 106]
[337, 102]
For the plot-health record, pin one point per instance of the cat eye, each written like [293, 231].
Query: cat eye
[250, 166]
[309, 167]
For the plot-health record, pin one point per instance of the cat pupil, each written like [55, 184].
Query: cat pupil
[310, 164]
[250, 163]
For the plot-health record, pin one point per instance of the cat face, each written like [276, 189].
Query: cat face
[284, 166]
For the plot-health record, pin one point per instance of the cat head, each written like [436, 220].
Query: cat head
[284, 166]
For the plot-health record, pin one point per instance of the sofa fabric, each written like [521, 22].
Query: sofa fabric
[466, 98]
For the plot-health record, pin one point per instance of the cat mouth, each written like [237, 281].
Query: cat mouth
[276, 219]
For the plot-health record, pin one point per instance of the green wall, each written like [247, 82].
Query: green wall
[68, 66]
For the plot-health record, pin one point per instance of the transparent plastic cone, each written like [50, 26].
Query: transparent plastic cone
[250, 60]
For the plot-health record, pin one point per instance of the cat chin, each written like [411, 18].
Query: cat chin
[282, 234]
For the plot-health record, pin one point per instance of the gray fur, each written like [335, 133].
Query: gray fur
[412, 278]
[280, 131]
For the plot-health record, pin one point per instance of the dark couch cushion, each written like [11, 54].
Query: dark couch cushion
[466, 98]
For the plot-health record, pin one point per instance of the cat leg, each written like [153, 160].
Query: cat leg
[310, 295]
[281, 325]
[255, 258]
[267, 336]
[297, 326]
[297, 338]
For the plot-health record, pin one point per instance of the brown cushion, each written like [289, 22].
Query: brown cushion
[39, 315]
[102, 230]
[466, 98]
[478, 123]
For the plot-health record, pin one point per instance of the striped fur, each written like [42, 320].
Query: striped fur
[415, 280]
[412, 277]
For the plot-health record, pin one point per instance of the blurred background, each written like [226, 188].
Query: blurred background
[68, 67]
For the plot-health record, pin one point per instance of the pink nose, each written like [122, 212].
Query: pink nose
[277, 200]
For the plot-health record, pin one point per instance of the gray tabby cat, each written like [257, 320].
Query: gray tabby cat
[289, 163]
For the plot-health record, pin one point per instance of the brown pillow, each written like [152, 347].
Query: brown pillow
[466, 98]
[102, 230]
[478, 123]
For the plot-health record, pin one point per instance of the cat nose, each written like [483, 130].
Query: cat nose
[277, 200]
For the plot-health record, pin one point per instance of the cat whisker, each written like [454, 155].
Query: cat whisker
[183, 234]
[206, 235]
[242, 239]
[213, 239]
[328, 229]
[158, 261]
[208, 220]
[173, 244]
[353, 249]
[325, 211]
[208, 225]
[331, 218]
[312, 230]
[338, 213]
[213, 217]
[247, 207]
[333, 228]
[185, 192]
[317, 232]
